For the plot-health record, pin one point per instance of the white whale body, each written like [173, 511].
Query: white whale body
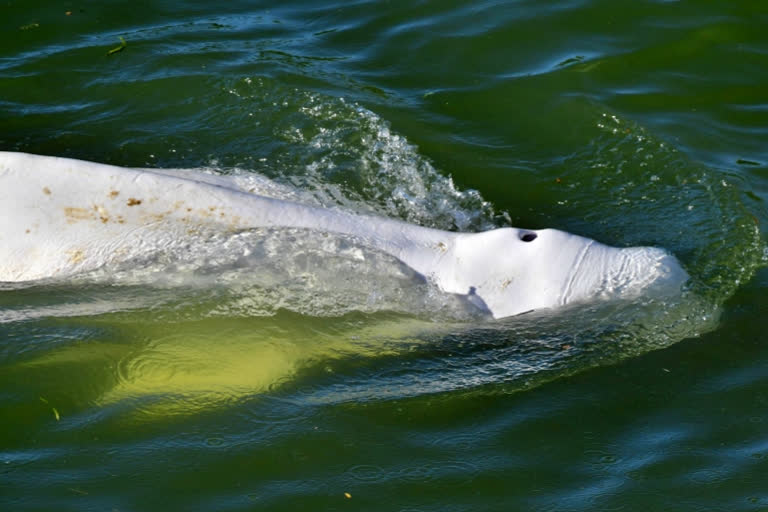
[60, 217]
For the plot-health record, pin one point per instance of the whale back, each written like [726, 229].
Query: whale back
[60, 217]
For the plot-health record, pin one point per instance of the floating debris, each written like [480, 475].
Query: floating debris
[120, 48]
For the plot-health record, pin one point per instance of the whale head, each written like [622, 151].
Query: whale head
[514, 271]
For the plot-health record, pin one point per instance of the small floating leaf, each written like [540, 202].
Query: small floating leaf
[43, 400]
[347, 495]
[56, 414]
[29, 26]
[120, 48]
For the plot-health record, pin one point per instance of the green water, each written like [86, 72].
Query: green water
[628, 122]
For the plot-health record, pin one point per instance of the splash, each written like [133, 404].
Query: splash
[341, 154]
[696, 212]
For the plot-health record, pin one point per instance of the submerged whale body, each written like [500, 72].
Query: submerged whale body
[60, 217]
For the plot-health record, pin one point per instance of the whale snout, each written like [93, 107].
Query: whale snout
[609, 272]
[669, 272]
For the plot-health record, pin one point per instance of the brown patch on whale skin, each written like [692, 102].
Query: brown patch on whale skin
[156, 217]
[75, 214]
[46, 191]
[113, 194]
[76, 256]
[133, 201]
[103, 214]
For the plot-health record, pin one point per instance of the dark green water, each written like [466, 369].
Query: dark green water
[629, 122]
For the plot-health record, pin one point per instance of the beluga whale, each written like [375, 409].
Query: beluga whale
[61, 217]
